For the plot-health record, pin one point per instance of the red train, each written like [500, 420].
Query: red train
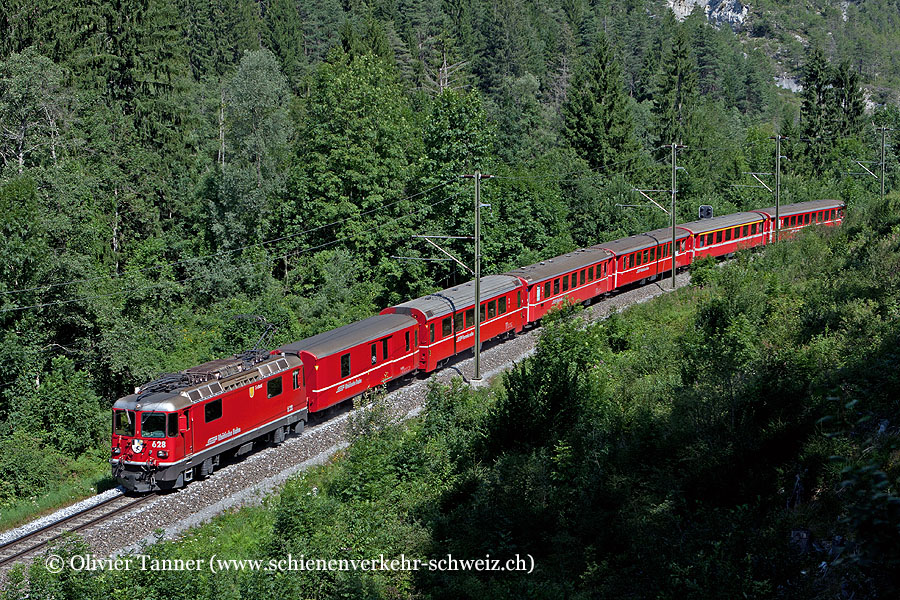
[175, 429]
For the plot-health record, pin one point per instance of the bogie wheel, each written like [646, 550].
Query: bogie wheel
[206, 468]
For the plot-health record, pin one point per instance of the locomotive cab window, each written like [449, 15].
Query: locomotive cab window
[212, 410]
[446, 327]
[153, 424]
[274, 386]
[123, 422]
[345, 365]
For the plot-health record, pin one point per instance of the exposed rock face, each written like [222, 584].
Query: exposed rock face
[718, 12]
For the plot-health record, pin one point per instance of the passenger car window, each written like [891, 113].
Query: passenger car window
[446, 327]
[503, 305]
[345, 365]
[492, 309]
[458, 321]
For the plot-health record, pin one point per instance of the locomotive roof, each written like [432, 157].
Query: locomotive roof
[741, 218]
[547, 269]
[456, 298]
[156, 402]
[641, 241]
[801, 207]
[348, 336]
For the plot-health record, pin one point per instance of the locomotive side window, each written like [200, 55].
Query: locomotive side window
[431, 331]
[374, 353]
[446, 327]
[123, 422]
[212, 410]
[547, 290]
[492, 309]
[274, 387]
[407, 341]
[458, 321]
[173, 424]
[153, 424]
[503, 305]
[345, 365]
[384, 349]
[296, 378]
[470, 317]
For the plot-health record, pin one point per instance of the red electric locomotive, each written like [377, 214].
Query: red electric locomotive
[175, 429]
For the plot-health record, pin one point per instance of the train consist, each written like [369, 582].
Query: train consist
[176, 429]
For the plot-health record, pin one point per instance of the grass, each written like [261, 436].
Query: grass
[88, 476]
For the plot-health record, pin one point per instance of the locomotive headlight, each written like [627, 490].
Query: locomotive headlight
[116, 451]
[162, 454]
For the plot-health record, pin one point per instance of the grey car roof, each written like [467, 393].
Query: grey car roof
[741, 218]
[552, 267]
[641, 241]
[348, 336]
[802, 207]
[461, 296]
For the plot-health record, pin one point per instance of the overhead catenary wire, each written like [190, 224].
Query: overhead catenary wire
[48, 286]
[238, 267]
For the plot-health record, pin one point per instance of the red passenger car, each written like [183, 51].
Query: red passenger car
[726, 234]
[447, 319]
[349, 360]
[577, 276]
[647, 255]
[797, 216]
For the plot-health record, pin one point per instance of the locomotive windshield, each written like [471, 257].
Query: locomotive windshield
[123, 422]
[153, 425]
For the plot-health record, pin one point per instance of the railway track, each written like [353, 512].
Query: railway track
[22, 547]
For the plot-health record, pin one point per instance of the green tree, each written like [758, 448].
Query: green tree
[676, 98]
[846, 112]
[817, 95]
[32, 109]
[597, 120]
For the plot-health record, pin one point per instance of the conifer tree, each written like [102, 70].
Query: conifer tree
[817, 94]
[676, 98]
[597, 122]
[849, 105]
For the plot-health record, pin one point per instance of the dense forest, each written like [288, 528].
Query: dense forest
[761, 462]
[169, 165]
